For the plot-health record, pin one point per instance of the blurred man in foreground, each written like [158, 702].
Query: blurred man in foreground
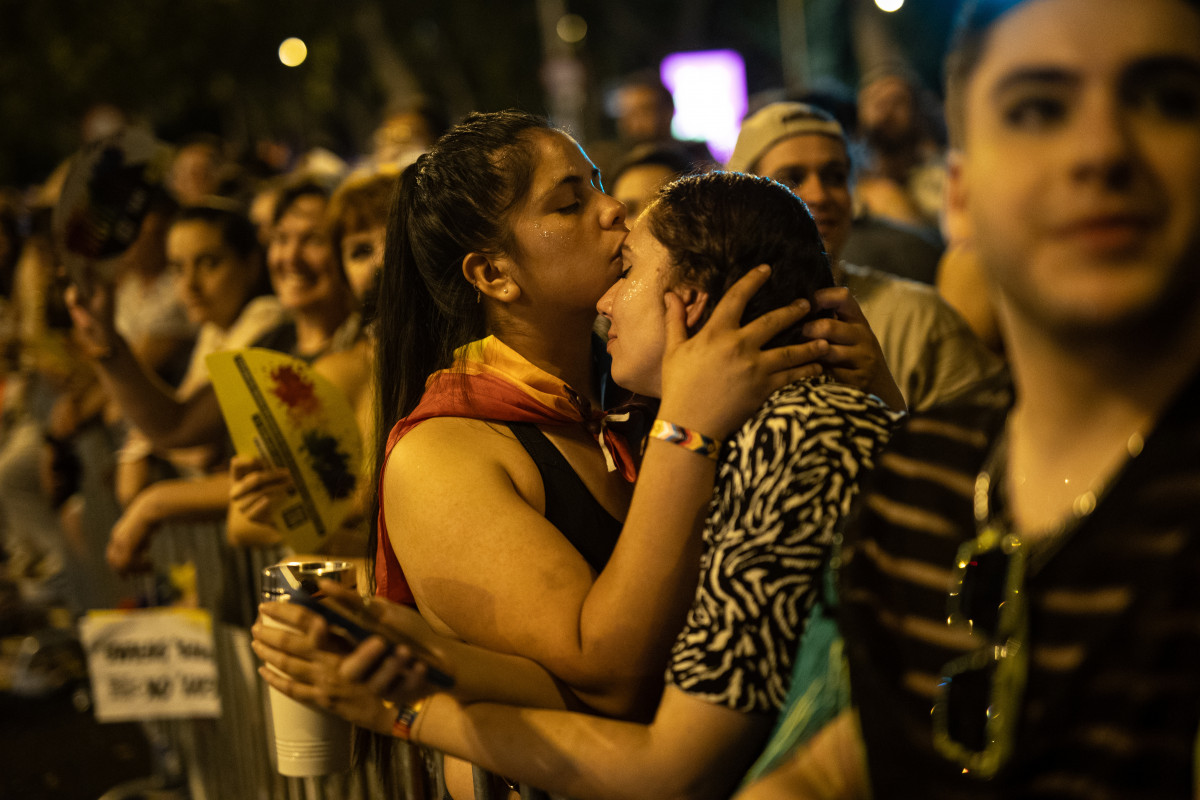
[1019, 599]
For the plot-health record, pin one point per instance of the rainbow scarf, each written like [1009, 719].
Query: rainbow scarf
[491, 381]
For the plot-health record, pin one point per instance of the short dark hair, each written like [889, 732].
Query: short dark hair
[236, 230]
[293, 192]
[720, 225]
[649, 79]
[670, 156]
[967, 42]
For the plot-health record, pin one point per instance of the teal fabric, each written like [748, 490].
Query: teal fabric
[820, 687]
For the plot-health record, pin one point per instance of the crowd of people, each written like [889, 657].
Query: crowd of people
[861, 465]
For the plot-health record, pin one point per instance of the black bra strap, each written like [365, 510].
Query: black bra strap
[570, 506]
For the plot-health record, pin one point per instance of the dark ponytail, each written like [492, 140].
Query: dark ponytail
[414, 327]
[454, 200]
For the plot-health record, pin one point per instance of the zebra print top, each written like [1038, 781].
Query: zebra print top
[785, 482]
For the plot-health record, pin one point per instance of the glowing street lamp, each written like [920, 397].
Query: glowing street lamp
[292, 52]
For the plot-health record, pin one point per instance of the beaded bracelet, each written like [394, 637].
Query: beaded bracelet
[402, 727]
[686, 438]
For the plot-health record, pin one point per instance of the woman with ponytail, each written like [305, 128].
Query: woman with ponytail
[502, 482]
[786, 481]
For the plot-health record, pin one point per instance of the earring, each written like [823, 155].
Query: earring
[505, 290]
[478, 294]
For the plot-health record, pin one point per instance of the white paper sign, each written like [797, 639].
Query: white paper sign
[151, 663]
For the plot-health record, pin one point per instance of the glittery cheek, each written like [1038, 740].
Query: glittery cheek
[627, 293]
[553, 241]
[632, 289]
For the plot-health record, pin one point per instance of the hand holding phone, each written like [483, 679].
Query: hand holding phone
[350, 623]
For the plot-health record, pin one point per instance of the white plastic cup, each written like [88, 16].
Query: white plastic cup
[309, 741]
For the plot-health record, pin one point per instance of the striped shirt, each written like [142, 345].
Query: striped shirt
[1112, 703]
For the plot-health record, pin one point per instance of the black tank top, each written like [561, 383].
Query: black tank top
[570, 507]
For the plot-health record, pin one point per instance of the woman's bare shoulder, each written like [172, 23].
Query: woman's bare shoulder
[455, 433]
[456, 444]
[441, 457]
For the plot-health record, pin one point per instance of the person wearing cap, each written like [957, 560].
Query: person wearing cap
[931, 351]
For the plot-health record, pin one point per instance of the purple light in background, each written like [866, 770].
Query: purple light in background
[709, 87]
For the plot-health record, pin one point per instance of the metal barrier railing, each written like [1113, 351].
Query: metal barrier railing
[230, 757]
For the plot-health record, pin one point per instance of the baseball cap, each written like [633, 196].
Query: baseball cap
[775, 122]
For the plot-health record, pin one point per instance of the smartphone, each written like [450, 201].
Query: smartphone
[350, 622]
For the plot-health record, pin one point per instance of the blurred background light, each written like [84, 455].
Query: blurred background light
[373, 56]
[709, 87]
[571, 28]
[889, 5]
[292, 52]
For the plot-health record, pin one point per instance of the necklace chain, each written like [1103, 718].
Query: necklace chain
[989, 484]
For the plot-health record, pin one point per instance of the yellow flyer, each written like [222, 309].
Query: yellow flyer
[281, 411]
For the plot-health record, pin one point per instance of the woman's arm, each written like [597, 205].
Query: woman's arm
[522, 588]
[692, 749]
[855, 356]
[160, 501]
[132, 476]
[321, 671]
[831, 766]
[156, 350]
[148, 403]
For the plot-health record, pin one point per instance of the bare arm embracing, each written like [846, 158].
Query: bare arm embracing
[523, 732]
[685, 752]
[831, 766]
[855, 356]
[522, 588]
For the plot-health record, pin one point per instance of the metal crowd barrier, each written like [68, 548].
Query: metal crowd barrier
[230, 757]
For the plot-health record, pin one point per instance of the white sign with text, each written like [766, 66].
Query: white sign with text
[152, 663]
